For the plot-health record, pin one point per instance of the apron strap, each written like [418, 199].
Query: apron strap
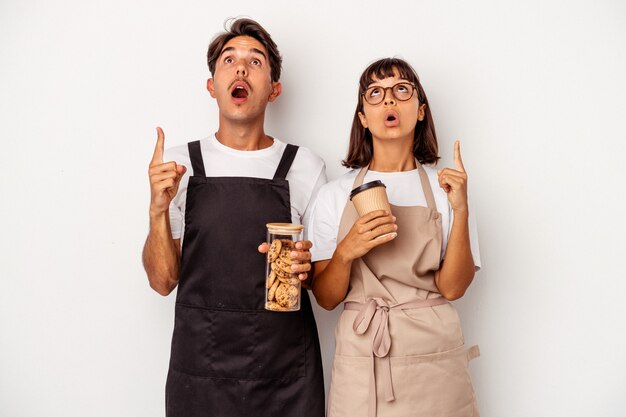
[361, 175]
[473, 352]
[428, 190]
[285, 162]
[195, 154]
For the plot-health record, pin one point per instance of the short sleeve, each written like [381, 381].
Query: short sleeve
[176, 220]
[321, 180]
[177, 205]
[323, 226]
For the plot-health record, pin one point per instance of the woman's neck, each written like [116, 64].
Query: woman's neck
[393, 155]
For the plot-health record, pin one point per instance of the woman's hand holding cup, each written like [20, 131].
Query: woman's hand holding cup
[369, 231]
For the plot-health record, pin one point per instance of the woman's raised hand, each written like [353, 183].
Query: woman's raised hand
[454, 181]
[371, 230]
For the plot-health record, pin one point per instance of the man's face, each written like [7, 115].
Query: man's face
[242, 81]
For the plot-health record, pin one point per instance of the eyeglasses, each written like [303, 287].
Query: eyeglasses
[401, 92]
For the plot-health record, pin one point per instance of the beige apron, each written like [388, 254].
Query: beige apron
[399, 346]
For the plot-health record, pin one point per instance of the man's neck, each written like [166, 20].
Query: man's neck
[243, 136]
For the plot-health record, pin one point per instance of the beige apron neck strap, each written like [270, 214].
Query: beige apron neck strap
[428, 190]
[361, 175]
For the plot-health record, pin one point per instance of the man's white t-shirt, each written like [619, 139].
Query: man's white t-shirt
[306, 175]
[403, 189]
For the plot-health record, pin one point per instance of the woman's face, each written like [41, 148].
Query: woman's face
[392, 118]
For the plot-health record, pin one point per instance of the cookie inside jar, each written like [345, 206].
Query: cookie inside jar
[282, 286]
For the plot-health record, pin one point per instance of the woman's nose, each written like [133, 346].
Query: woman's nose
[389, 98]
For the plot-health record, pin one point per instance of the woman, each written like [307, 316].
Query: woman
[399, 345]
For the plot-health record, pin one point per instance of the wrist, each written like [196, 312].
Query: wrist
[157, 215]
[341, 257]
[461, 212]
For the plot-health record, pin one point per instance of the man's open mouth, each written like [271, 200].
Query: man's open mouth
[239, 90]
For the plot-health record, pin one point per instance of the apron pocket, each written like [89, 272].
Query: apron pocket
[212, 343]
[434, 384]
[279, 345]
[349, 387]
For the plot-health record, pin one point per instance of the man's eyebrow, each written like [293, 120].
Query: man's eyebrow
[254, 50]
[230, 48]
[258, 51]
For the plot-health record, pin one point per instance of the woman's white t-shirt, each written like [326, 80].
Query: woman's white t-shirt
[306, 175]
[403, 189]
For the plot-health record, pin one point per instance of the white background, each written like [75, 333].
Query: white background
[534, 89]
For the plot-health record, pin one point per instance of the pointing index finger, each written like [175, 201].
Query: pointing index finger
[458, 162]
[157, 157]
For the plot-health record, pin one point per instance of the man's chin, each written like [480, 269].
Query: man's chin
[242, 116]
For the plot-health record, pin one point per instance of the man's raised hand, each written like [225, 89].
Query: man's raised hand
[164, 178]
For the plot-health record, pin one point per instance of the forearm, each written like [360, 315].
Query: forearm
[457, 270]
[332, 278]
[331, 281]
[161, 255]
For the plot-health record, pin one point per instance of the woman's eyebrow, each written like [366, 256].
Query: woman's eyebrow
[400, 80]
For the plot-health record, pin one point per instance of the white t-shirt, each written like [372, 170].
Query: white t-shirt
[306, 175]
[403, 189]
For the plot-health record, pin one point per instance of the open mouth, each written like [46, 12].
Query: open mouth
[239, 91]
[391, 119]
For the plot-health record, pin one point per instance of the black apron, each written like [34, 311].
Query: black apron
[231, 357]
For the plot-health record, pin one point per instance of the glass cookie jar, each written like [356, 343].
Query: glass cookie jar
[282, 286]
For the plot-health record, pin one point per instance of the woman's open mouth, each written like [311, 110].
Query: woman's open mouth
[391, 119]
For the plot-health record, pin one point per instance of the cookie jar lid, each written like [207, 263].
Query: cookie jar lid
[284, 228]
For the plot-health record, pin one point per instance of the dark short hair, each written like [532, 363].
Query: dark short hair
[361, 149]
[245, 27]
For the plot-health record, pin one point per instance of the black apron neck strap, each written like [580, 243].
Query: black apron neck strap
[285, 162]
[195, 154]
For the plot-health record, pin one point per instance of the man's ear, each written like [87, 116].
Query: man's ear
[210, 87]
[277, 89]
[363, 120]
[421, 112]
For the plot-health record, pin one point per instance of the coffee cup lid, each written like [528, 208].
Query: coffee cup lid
[366, 186]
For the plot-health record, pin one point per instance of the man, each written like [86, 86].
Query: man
[230, 356]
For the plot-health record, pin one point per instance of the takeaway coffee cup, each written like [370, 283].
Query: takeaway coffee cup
[369, 197]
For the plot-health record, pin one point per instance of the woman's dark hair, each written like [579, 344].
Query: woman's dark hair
[361, 149]
[245, 27]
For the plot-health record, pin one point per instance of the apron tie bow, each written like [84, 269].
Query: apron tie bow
[375, 313]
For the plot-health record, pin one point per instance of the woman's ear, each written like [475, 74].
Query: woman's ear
[363, 120]
[421, 112]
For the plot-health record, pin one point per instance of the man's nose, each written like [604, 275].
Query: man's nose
[241, 70]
